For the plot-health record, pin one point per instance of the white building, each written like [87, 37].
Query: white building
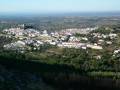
[94, 47]
[45, 33]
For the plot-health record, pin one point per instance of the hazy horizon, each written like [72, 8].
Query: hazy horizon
[58, 6]
[89, 14]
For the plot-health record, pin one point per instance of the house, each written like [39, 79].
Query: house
[94, 47]
[108, 42]
[112, 35]
[117, 51]
[45, 33]
[84, 38]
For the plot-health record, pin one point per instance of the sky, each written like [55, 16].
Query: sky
[56, 6]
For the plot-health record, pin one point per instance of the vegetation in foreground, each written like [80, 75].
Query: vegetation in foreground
[64, 68]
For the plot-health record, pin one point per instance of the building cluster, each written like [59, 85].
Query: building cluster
[17, 32]
[14, 31]
[78, 30]
[16, 46]
[101, 39]
[31, 38]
